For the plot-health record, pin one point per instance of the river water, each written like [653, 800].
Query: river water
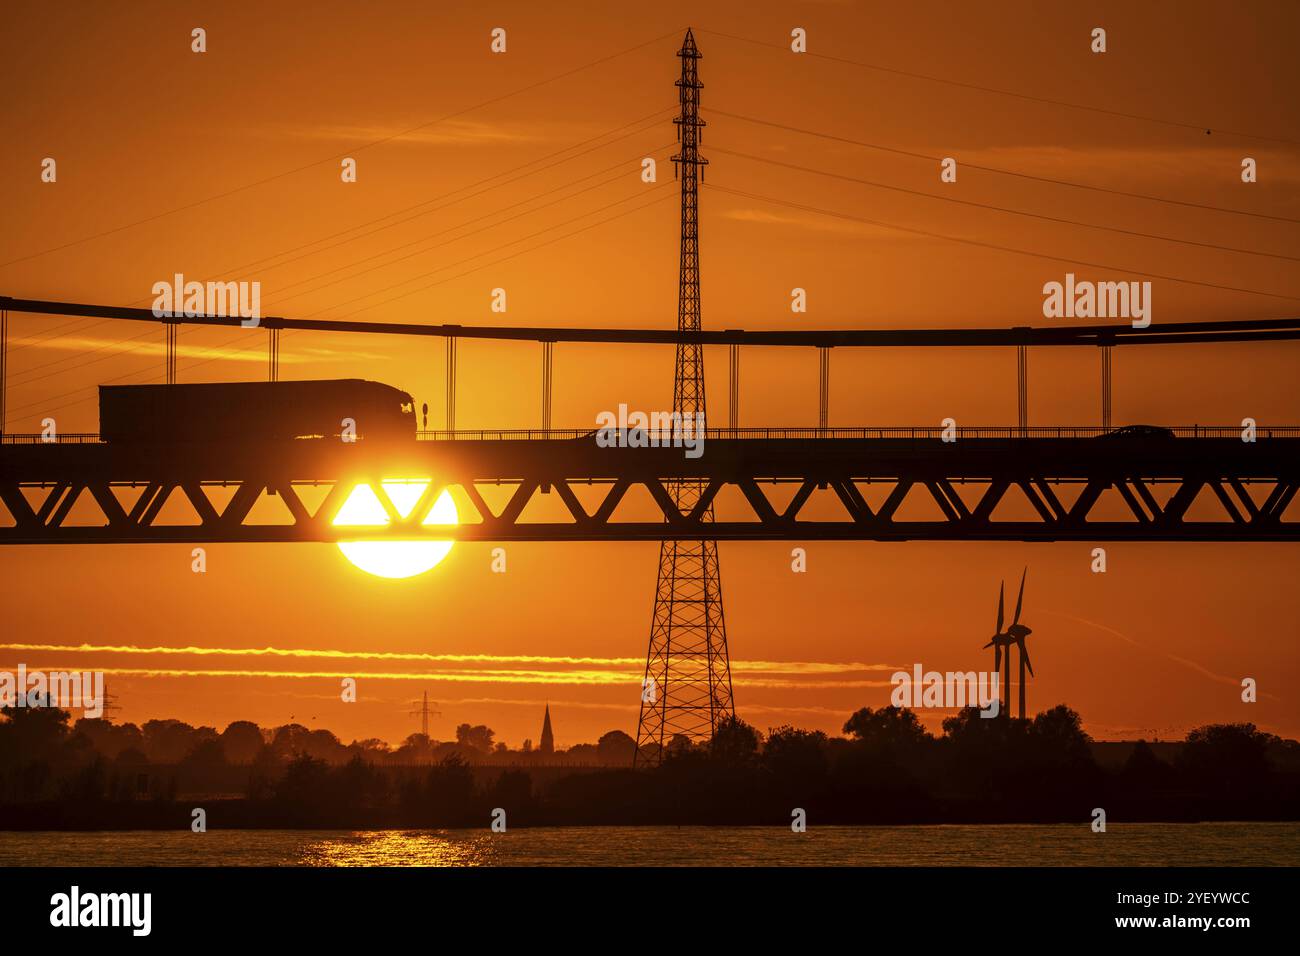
[1146, 844]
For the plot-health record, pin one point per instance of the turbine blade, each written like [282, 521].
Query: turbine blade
[1021, 596]
[1025, 654]
[1000, 590]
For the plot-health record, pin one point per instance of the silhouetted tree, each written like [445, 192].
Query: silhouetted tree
[107, 739]
[266, 770]
[241, 741]
[796, 756]
[87, 783]
[372, 748]
[132, 757]
[449, 789]
[616, 748]
[167, 741]
[1143, 770]
[202, 768]
[513, 792]
[477, 737]
[358, 784]
[981, 752]
[289, 740]
[678, 745]
[301, 789]
[1060, 741]
[891, 730]
[206, 754]
[324, 745]
[584, 754]
[32, 731]
[1226, 756]
[416, 748]
[735, 743]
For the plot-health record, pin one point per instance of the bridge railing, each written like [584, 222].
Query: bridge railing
[36, 438]
[920, 432]
[890, 431]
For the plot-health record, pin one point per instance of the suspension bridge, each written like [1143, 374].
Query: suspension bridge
[1007, 482]
[1056, 475]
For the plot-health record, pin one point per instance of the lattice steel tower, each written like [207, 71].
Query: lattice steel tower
[687, 687]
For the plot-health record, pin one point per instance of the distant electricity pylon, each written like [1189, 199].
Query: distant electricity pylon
[110, 702]
[687, 685]
[424, 713]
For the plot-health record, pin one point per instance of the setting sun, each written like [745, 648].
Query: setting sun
[394, 559]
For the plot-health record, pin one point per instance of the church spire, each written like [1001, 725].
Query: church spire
[547, 745]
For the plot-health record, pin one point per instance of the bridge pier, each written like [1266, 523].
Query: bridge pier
[733, 382]
[548, 349]
[824, 386]
[451, 383]
[172, 336]
[1105, 387]
[273, 355]
[1022, 385]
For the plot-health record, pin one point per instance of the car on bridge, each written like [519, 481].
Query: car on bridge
[1139, 431]
[254, 411]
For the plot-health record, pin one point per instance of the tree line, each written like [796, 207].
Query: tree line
[885, 769]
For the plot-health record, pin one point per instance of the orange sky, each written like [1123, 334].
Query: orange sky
[225, 165]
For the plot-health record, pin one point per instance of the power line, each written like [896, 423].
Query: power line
[1006, 209]
[434, 199]
[346, 153]
[152, 378]
[387, 301]
[1003, 172]
[83, 354]
[1001, 92]
[479, 255]
[515, 255]
[77, 391]
[1000, 248]
[453, 192]
[80, 325]
[415, 242]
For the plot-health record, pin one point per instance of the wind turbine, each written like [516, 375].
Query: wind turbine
[1015, 634]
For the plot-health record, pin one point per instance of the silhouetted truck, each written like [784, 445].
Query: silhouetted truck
[254, 411]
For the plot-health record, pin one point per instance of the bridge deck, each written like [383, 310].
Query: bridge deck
[967, 483]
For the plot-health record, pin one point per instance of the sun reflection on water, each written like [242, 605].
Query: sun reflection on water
[403, 848]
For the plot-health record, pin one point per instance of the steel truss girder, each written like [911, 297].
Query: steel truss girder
[963, 482]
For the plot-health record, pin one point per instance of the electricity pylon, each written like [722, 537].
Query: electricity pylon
[687, 685]
[424, 712]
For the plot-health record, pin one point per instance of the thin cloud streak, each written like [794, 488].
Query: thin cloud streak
[247, 354]
[460, 132]
[809, 223]
[577, 678]
[1189, 664]
[777, 667]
